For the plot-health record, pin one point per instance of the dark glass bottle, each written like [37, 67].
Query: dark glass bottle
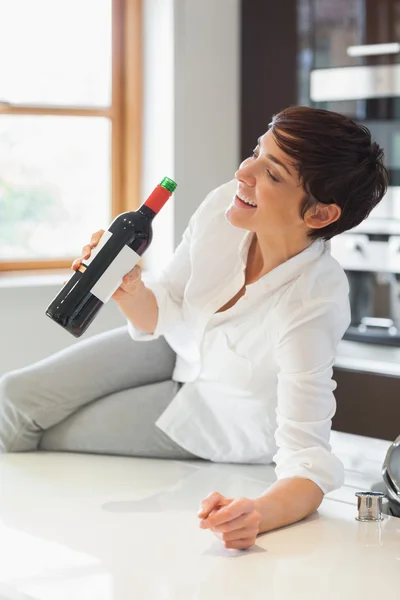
[118, 251]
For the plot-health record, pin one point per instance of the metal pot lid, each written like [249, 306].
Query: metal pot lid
[391, 470]
[390, 492]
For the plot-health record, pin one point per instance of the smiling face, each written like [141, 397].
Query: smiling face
[269, 193]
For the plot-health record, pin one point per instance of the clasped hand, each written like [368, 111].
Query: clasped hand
[234, 521]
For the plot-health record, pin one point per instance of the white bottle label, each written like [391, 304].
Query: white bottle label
[111, 279]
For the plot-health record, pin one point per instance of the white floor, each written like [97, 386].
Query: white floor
[87, 527]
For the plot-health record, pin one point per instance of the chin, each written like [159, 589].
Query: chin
[236, 219]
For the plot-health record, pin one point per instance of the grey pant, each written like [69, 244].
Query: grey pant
[101, 395]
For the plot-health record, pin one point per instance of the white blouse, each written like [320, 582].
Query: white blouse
[257, 377]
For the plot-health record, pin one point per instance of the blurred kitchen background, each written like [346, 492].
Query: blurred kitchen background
[100, 99]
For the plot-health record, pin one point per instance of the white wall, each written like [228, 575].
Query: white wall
[207, 100]
[158, 120]
[193, 126]
[191, 133]
[27, 334]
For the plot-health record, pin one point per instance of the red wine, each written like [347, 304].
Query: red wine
[119, 250]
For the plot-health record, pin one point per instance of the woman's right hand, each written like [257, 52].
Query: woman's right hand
[87, 250]
[130, 283]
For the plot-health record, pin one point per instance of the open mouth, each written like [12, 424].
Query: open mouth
[244, 203]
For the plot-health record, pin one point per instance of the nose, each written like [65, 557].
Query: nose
[246, 173]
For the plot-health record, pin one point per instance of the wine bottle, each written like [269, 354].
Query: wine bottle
[99, 276]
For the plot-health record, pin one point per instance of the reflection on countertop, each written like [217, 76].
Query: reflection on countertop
[93, 527]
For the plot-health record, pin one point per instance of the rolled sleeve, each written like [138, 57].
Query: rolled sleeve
[306, 404]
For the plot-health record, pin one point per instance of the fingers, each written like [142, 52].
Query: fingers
[240, 544]
[212, 501]
[240, 534]
[76, 264]
[131, 279]
[235, 508]
[247, 520]
[94, 240]
[134, 275]
[249, 525]
[130, 284]
[238, 540]
[235, 522]
[87, 249]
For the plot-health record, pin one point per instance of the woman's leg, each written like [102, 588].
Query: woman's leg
[121, 423]
[41, 395]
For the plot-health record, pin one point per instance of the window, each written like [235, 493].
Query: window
[69, 125]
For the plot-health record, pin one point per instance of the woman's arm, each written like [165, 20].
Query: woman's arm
[140, 308]
[305, 466]
[163, 299]
[155, 308]
[305, 355]
[238, 522]
[287, 501]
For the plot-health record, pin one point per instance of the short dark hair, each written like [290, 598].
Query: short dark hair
[336, 161]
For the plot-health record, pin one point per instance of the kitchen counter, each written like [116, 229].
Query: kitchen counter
[369, 358]
[87, 527]
[368, 389]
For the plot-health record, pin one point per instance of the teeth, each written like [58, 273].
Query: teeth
[246, 200]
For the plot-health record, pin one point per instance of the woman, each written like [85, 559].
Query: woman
[244, 324]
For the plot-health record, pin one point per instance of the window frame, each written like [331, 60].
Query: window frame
[124, 113]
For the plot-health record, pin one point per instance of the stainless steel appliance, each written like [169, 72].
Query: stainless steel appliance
[372, 263]
[391, 476]
[390, 483]
[349, 62]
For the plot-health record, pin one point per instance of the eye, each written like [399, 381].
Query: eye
[272, 177]
[253, 154]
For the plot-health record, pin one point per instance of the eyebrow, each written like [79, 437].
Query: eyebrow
[275, 160]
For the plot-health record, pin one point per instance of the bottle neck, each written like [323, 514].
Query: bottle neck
[157, 198]
[147, 212]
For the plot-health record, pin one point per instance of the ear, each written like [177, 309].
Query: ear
[321, 215]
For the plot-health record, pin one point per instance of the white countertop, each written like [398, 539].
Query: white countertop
[87, 527]
[368, 358]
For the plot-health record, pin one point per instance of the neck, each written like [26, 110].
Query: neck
[268, 252]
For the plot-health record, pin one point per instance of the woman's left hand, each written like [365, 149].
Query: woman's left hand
[235, 522]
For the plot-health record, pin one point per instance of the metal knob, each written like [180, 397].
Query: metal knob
[369, 505]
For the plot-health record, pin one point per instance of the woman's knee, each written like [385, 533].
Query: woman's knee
[18, 431]
[24, 395]
[9, 388]
[15, 389]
